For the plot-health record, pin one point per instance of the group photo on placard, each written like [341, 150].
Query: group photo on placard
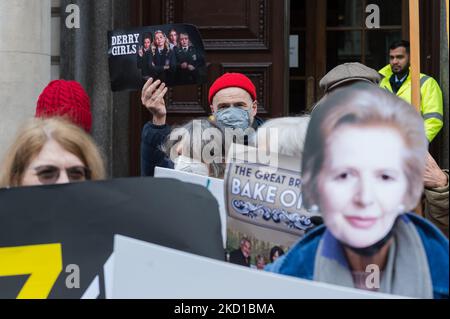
[172, 53]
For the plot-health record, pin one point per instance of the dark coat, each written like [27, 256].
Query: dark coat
[144, 63]
[237, 257]
[191, 57]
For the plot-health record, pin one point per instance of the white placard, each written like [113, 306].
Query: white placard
[293, 51]
[214, 185]
[143, 271]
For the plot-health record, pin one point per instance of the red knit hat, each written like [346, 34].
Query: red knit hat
[232, 80]
[66, 98]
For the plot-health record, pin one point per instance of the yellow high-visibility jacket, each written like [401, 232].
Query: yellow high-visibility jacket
[431, 105]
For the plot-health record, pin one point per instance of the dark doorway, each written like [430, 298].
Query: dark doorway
[331, 32]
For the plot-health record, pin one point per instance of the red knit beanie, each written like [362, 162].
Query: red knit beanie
[232, 80]
[66, 98]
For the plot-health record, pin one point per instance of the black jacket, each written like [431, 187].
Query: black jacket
[237, 257]
[164, 58]
[144, 63]
[190, 56]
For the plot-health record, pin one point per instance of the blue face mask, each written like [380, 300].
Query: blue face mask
[233, 117]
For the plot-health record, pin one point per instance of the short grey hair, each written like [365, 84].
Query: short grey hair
[291, 135]
[217, 167]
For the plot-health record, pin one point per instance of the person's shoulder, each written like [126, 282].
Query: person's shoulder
[150, 126]
[427, 81]
[257, 122]
[386, 71]
[236, 256]
[427, 230]
[436, 247]
[235, 252]
[150, 130]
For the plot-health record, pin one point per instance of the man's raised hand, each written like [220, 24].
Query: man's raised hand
[153, 99]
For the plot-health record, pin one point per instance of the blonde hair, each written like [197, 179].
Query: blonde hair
[31, 139]
[166, 41]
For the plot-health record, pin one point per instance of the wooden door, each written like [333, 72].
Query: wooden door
[247, 36]
[332, 32]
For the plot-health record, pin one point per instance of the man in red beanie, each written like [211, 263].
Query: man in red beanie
[232, 99]
[233, 102]
[67, 99]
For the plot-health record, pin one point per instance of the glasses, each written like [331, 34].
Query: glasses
[50, 174]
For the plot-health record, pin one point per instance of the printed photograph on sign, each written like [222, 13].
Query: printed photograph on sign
[172, 53]
[264, 207]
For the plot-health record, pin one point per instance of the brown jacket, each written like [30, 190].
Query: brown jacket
[436, 206]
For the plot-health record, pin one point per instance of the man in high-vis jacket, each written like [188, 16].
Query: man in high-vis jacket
[397, 79]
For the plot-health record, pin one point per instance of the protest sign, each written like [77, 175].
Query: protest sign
[214, 185]
[144, 270]
[172, 53]
[56, 240]
[264, 201]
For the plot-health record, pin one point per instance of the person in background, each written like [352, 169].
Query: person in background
[344, 75]
[260, 262]
[65, 99]
[188, 61]
[51, 151]
[191, 152]
[241, 256]
[275, 253]
[286, 134]
[233, 103]
[232, 99]
[363, 167]
[397, 80]
[173, 39]
[435, 199]
[145, 58]
[164, 62]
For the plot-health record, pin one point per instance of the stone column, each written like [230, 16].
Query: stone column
[24, 62]
[84, 58]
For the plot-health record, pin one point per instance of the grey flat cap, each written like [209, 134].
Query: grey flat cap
[348, 72]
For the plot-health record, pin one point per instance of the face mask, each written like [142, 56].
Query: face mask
[189, 165]
[233, 117]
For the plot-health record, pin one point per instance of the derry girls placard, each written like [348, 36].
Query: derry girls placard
[264, 201]
[172, 53]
